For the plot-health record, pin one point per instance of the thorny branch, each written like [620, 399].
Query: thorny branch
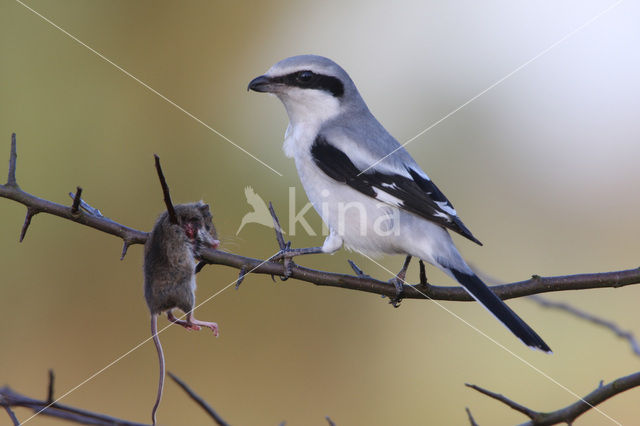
[91, 217]
[198, 399]
[81, 212]
[9, 398]
[623, 334]
[571, 412]
[535, 285]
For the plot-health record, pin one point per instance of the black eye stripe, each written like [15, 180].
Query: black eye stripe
[307, 79]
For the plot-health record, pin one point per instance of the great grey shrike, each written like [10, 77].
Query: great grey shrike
[371, 194]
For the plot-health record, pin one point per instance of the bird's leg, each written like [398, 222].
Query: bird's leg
[359, 272]
[196, 323]
[398, 282]
[186, 324]
[423, 274]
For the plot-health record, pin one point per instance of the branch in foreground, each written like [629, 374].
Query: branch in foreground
[10, 398]
[201, 402]
[472, 421]
[624, 334]
[570, 413]
[132, 236]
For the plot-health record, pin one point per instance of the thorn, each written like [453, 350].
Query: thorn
[27, 221]
[86, 207]
[50, 398]
[165, 191]
[241, 275]
[11, 179]
[125, 247]
[471, 419]
[278, 229]
[76, 200]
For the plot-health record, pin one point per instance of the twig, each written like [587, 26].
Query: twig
[12, 415]
[9, 398]
[86, 207]
[165, 191]
[521, 408]
[241, 275]
[627, 335]
[201, 402]
[534, 285]
[13, 157]
[472, 421]
[276, 226]
[50, 398]
[287, 263]
[36, 205]
[31, 212]
[76, 200]
[571, 412]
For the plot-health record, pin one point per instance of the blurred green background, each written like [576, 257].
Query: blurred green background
[543, 168]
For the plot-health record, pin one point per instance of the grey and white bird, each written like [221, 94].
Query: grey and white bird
[371, 194]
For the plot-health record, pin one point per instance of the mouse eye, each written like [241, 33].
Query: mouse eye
[304, 76]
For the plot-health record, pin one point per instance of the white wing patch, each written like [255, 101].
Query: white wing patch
[387, 198]
[389, 185]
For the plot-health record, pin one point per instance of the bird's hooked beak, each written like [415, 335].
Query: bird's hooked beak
[262, 84]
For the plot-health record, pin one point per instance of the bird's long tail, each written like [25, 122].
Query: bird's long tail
[483, 294]
[156, 340]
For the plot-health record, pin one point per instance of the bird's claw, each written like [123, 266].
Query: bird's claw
[398, 284]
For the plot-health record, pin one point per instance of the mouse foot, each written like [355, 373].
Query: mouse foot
[189, 325]
[212, 325]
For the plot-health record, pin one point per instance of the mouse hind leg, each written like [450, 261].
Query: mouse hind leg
[194, 322]
[189, 325]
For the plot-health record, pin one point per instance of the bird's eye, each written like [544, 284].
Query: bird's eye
[304, 76]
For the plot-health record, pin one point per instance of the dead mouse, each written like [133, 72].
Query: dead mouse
[170, 256]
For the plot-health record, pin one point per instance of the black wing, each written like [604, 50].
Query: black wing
[416, 194]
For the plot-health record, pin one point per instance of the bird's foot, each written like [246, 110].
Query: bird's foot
[399, 281]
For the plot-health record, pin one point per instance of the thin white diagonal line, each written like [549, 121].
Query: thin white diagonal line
[115, 361]
[524, 361]
[151, 89]
[519, 68]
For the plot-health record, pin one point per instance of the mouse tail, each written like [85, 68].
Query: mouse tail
[156, 340]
